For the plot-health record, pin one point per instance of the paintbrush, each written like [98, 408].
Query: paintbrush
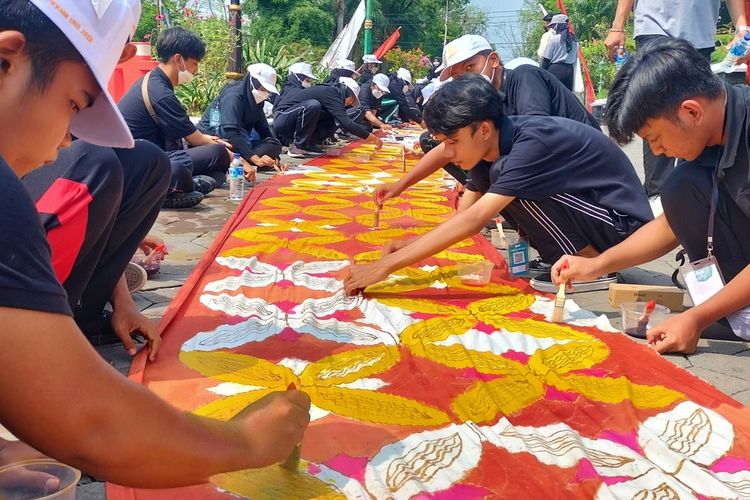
[559, 313]
[643, 322]
[292, 461]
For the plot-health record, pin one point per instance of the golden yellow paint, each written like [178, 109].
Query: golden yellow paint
[485, 401]
[562, 358]
[348, 366]
[238, 368]
[617, 390]
[230, 406]
[534, 328]
[275, 482]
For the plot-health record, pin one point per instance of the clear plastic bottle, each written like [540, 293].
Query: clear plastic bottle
[737, 51]
[236, 176]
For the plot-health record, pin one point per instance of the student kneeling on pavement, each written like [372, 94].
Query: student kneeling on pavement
[667, 94]
[58, 395]
[155, 114]
[569, 188]
[370, 101]
[238, 111]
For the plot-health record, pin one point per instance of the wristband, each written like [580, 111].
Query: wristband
[740, 29]
[615, 30]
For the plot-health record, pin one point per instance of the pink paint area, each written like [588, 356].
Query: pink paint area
[286, 305]
[521, 357]
[629, 439]
[462, 491]
[731, 465]
[585, 471]
[313, 469]
[553, 394]
[353, 467]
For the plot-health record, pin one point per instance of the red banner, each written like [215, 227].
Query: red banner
[590, 95]
[389, 43]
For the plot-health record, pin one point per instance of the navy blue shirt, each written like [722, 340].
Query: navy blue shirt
[174, 122]
[27, 280]
[367, 101]
[530, 90]
[541, 156]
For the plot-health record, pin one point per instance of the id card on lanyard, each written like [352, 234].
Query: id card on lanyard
[703, 277]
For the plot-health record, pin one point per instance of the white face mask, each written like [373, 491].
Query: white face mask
[406, 89]
[260, 95]
[488, 78]
[307, 84]
[183, 75]
[377, 93]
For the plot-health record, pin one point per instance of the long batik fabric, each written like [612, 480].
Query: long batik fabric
[424, 387]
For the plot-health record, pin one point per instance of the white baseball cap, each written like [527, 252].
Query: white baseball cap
[265, 74]
[371, 59]
[430, 89]
[404, 74]
[99, 30]
[460, 50]
[302, 68]
[381, 81]
[559, 19]
[351, 85]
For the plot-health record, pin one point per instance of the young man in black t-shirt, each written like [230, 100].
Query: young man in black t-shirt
[704, 121]
[567, 186]
[201, 167]
[58, 395]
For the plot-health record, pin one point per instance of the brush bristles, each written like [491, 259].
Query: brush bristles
[559, 313]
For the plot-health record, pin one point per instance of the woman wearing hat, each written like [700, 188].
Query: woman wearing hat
[561, 53]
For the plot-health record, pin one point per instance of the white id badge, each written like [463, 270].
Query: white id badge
[703, 279]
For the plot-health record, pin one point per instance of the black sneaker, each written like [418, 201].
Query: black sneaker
[539, 266]
[178, 199]
[204, 184]
[543, 283]
[297, 152]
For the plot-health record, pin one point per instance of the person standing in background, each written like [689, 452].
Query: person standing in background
[561, 52]
[691, 20]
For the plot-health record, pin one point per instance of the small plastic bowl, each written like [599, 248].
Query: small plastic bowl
[363, 156]
[632, 313]
[333, 152]
[475, 273]
[37, 479]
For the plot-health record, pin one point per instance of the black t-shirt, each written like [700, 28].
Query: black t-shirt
[174, 120]
[367, 101]
[546, 156]
[530, 90]
[27, 280]
[239, 114]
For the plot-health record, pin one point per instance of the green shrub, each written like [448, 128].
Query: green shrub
[409, 59]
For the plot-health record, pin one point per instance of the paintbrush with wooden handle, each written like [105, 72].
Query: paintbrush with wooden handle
[559, 312]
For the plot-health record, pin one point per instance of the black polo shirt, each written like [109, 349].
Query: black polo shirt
[174, 120]
[27, 280]
[530, 90]
[545, 156]
[367, 101]
[734, 166]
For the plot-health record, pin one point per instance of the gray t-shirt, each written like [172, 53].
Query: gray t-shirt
[693, 20]
[557, 51]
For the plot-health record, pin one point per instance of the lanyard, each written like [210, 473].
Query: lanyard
[715, 186]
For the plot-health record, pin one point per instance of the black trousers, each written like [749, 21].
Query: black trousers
[200, 160]
[565, 224]
[427, 143]
[268, 147]
[686, 199]
[658, 167]
[564, 72]
[297, 124]
[97, 204]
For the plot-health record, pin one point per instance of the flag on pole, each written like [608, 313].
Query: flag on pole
[344, 42]
[590, 94]
[388, 44]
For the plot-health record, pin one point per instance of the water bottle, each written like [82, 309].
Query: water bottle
[236, 176]
[737, 51]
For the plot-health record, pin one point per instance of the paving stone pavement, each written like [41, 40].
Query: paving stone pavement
[188, 233]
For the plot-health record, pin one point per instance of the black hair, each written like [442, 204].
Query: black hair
[654, 82]
[179, 41]
[548, 17]
[46, 46]
[465, 101]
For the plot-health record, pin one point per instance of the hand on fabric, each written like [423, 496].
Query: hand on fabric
[360, 276]
[128, 321]
[676, 334]
[250, 171]
[280, 167]
[274, 425]
[575, 268]
[385, 127]
[614, 39]
[18, 451]
[385, 192]
[376, 140]
[264, 161]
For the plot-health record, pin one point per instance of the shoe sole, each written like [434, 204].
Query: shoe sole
[186, 201]
[136, 276]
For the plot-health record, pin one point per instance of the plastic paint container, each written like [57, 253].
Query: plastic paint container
[475, 273]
